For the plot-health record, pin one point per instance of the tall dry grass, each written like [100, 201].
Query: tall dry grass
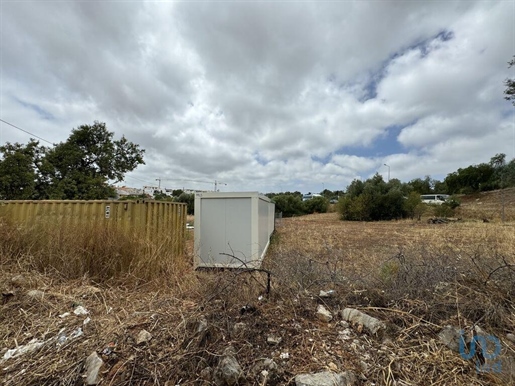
[460, 268]
[100, 253]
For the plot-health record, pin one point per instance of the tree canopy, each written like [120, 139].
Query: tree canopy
[80, 168]
[510, 85]
[374, 200]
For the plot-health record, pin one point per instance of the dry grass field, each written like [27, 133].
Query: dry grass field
[414, 276]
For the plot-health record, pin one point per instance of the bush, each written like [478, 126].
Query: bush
[316, 205]
[372, 201]
[443, 210]
[453, 202]
[289, 204]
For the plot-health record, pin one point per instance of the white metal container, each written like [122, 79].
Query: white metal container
[232, 229]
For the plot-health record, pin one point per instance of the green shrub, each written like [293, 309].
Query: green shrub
[289, 204]
[316, 205]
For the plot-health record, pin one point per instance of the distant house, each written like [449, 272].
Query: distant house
[124, 191]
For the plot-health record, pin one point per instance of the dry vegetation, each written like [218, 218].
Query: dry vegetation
[487, 205]
[416, 277]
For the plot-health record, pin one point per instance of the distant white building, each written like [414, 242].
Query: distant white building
[124, 191]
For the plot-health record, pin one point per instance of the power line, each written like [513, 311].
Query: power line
[25, 131]
[137, 179]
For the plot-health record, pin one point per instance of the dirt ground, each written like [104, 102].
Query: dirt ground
[413, 276]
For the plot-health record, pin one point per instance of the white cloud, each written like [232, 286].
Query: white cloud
[267, 96]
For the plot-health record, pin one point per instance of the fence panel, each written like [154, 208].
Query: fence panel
[156, 222]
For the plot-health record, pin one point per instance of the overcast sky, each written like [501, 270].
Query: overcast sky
[266, 96]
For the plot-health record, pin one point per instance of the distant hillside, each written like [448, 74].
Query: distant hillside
[488, 205]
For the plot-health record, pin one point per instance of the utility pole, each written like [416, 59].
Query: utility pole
[388, 166]
[499, 162]
[502, 194]
[159, 180]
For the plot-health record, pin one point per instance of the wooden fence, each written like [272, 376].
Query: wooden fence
[157, 222]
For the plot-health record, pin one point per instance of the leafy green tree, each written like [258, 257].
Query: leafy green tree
[509, 173]
[498, 163]
[440, 187]
[177, 192]
[82, 167]
[18, 168]
[352, 208]
[422, 186]
[393, 205]
[289, 204]
[159, 195]
[355, 188]
[189, 200]
[413, 206]
[473, 178]
[327, 193]
[510, 85]
[373, 200]
[316, 204]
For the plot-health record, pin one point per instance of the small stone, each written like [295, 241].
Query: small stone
[228, 371]
[273, 340]
[510, 337]
[202, 325]
[360, 318]
[143, 337]
[326, 294]
[450, 336]
[80, 310]
[36, 294]
[326, 378]
[266, 370]
[323, 314]
[332, 366]
[345, 334]
[239, 328]
[93, 365]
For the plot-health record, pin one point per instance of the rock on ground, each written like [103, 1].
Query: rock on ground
[326, 378]
[93, 365]
[450, 336]
[357, 317]
[36, 294]
[323, 314]
[228, 371]
[143, 337]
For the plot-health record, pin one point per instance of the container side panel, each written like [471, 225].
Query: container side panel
[212, 231]
[225, 231]
[238, 228]
[263, 227]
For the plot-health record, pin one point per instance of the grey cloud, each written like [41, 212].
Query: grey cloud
[252, 92]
